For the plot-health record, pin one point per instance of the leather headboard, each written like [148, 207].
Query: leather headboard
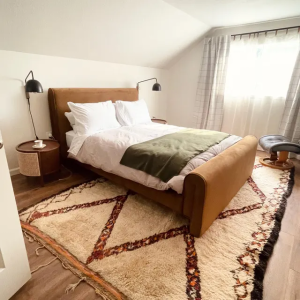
[58, 99]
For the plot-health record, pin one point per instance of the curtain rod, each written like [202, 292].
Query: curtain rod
[258, 32]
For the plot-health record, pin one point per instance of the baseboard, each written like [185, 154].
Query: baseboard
[14, 171]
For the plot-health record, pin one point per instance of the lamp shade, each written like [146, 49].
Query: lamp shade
[156, 87]
[33, 86]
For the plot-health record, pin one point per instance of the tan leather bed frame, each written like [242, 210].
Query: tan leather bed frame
[207, 190]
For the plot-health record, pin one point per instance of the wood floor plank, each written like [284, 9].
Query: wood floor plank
[35, 193]
[49, 282]
[293, 286]
[291, 221]
[278, 268]
[295, 261]
[276, 278]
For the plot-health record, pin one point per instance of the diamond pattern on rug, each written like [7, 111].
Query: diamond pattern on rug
[131, 246]
[264, 178]
[107, 229]
[151, 254]
[252, 198]
[36, 214]
[77, 230]
[250, 257]
[193, 287]
[151, 219]
[82, 194]
[230, 234]
[136, 283]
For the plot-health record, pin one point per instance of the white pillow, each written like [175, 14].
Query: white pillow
[94, 117]
[71, 120]
[132, 112]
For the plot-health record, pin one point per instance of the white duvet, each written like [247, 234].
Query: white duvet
[105, 149]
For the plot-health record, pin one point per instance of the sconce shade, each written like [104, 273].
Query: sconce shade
[33, 86]
[156, 87]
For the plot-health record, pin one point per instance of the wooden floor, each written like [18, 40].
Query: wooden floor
[49, 282]
[282, 280]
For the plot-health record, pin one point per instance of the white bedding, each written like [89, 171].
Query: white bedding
[105, 149]
[69, 137]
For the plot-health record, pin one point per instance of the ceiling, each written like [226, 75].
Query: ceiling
[146, 33]
[150, 33]
[237, 12]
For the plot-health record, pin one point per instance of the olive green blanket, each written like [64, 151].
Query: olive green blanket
[166, 156]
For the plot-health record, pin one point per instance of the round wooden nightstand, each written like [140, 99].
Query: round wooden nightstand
[161, 121]
[38, 162]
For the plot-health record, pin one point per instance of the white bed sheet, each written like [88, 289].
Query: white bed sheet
[69, 137]
[105, 149]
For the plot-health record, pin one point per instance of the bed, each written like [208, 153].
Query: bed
[206, 190]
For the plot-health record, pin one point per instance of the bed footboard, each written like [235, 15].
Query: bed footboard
[209, 188]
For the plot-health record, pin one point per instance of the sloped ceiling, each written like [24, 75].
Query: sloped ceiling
[237, 12]
[138, 32]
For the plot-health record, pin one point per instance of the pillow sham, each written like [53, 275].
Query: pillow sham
[93, 117]
[71, 120]
[132, 112]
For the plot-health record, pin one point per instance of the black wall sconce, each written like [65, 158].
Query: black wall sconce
[156, 86]
[32, 86]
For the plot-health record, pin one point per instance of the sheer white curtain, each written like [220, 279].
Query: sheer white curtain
[259, 72]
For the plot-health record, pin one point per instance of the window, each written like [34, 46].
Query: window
[257, 81]
[261, 66]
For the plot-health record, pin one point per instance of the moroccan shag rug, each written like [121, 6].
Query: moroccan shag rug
[129, 248]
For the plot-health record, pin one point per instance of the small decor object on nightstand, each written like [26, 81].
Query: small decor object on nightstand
[38, 144]
[161, 121]
[38, 161]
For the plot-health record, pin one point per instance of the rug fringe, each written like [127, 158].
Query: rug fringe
[100, 292]
[29, 238]
[45, 265]
[72, 286]
[101, 295]
[264, 256]
[65, 266]
[37, 250]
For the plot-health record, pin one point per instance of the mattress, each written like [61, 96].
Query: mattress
[105, 149]
[69, 137]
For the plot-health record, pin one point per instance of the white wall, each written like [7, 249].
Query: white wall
[184, 73]
[183, 78]
[15, 122]
[175, 102]
[147, 33]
